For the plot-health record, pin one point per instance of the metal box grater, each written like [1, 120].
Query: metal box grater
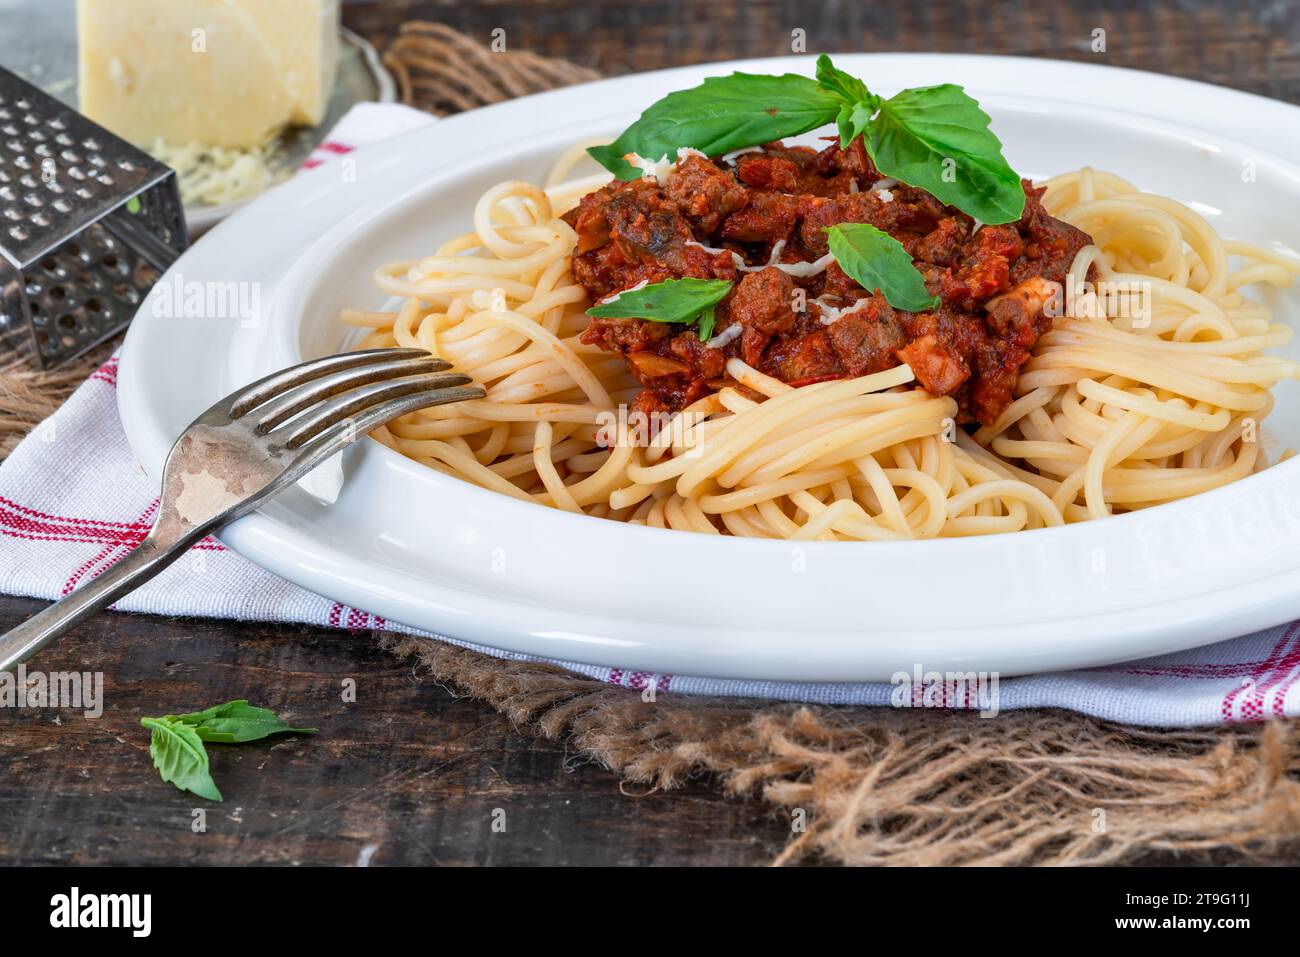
[87, 224]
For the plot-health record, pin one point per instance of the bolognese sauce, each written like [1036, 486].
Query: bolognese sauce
[759, 219]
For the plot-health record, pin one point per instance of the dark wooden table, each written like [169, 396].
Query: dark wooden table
[408, 773]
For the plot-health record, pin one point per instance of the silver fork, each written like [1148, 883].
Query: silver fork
[249, 446]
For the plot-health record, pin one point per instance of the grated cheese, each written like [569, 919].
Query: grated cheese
[731, 157]
[614, 298]
[798, 270]
[713, 251]
[832, 314]
[213, 175]
[725, 336]
[651, 169]
[659, 169]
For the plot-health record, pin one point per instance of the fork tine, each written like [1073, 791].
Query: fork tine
[359, 400]
[278, 409]
[325, 441]
[260, 391]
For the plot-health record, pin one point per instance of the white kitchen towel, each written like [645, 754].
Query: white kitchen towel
[73, 501]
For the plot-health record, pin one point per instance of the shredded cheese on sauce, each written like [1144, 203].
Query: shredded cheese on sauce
[832, 314]
[660, 169]
[799, 270]
[732, 331]
[731, 157]
[614, 298]
[713, 251]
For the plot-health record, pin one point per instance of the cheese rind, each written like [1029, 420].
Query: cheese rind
[228, 73]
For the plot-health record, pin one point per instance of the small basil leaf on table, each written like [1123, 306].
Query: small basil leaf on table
[937, 138]
[236, 722]
[176, 741]
[722, 114]
[673, 300]
[180, 757]
[878, 261]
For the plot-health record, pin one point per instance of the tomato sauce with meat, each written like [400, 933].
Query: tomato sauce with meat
[716, 220]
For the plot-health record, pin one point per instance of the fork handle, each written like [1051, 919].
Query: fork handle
[134, 569]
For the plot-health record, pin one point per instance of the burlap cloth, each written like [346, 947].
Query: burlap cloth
[875, 786]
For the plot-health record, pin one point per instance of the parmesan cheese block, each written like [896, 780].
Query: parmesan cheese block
[227, 73]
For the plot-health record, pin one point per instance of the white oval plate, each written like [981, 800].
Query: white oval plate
[420, 548]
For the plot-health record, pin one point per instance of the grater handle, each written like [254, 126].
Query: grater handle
[141, 564]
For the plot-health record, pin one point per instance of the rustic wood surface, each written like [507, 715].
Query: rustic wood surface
[1248, 44]
[409, 773]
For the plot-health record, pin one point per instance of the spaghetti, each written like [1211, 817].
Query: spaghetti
[1150, 386]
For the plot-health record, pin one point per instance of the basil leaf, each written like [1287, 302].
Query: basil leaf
[236, 722]
[707, 320]
[844, 85]
[853, 121]
[878, 261]
[723, 113]
[180, 757]
[673, 300]
[938, 138]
